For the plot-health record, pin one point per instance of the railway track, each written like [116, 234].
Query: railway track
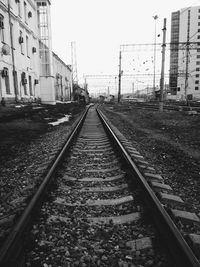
[99, 209]
[167, 107]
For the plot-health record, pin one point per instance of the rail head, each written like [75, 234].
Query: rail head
[176, 244]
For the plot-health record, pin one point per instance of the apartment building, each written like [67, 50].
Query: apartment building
[29, 70]
[19, 51]
[184, 79]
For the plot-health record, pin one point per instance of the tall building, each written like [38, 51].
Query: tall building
[184, 79]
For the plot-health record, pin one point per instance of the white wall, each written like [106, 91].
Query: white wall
[48, 91]
[26, 61]
[62, 79]
[194, 20]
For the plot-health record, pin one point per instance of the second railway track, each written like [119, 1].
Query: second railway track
[100, 211]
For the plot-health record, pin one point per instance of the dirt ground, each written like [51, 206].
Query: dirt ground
[26, 142]
[170, 141]
[28, 145]
[18, 128]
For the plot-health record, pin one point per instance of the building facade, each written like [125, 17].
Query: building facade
[29, 70]
[185, 54]
[62, 79]
[19, 51]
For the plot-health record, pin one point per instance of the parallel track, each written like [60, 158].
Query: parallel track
[167, 107]
[98, 211]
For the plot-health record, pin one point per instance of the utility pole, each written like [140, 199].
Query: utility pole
[163, 66]
[115, 84]
[187, 57]
[133, 89]
[120, 74]
[154, 60]
[72, 78]
[73, 66]
[108, 91]
[85, 83]
[74, 62]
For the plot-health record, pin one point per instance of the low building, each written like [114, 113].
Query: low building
[62, 79]
[110, 99]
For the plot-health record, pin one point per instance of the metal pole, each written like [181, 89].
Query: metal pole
[72, 78]
[163, 66]
[154, 61]
[133, 88]
[187, 57]
[120, 73]
[115, 84]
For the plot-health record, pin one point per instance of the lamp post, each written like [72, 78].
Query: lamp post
[154, 60]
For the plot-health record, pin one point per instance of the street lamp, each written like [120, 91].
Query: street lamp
[154, 61]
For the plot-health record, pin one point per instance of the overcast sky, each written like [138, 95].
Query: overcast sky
[99, 27]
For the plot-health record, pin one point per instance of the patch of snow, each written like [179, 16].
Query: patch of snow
[61, 120]
[19, 106]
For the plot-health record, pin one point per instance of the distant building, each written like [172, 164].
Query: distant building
[110, 99]
[62, 80]
[101, 98]
[185, 26]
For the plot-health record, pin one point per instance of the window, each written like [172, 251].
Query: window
[198, 62]
[197, 69]
[24, 82]
[198, 50]
[27, 46]
[1, 28]
[19, 9]
[198, 17]
[21, 43]
[41, 4]
[198, 23]
[197, 75]
[11, 29]
[198, 56]
[7, 82]
[197, 82]
[25, 12]
[196, 88]
[30, 85]
[178, 89]
[15, 81]
[199, 10]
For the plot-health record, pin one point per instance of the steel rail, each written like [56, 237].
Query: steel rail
[9, 253]
[167, 107]
[179, 249]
